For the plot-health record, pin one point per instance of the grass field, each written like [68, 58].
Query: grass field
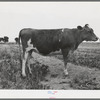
[83, 68]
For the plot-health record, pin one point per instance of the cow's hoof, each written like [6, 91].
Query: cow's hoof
[30, 72]
[23, 76]
[66, 72]
[65, 76]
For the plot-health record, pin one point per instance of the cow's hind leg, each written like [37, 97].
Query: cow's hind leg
[25, 56]
[27, 53]
[29, 62]
[65, 53]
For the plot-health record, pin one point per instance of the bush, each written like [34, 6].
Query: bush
[85, 80]
[10, 72]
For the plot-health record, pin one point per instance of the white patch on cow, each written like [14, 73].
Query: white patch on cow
[65, 71]
[24, 63]
[59, 40]
[29, 42]
[30, 71]
[61, 33]
[30, 46]
[63, 30]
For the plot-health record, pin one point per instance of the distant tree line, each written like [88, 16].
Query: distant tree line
[4, 39]
[16, 40]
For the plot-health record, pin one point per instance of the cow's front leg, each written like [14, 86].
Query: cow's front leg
[25, 56]
[65, 68]
[65, 53]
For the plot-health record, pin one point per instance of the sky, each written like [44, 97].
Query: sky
[15, 16]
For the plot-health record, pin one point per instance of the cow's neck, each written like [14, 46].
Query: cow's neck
[79, 39]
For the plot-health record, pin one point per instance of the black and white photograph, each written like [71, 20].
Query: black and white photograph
[50, 46]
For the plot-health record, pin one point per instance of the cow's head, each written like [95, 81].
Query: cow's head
[87, 33]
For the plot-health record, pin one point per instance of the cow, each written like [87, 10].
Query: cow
[45, 41]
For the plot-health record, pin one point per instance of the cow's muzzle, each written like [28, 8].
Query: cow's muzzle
[95, 39]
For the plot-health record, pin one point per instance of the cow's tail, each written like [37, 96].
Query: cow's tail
[20, 47]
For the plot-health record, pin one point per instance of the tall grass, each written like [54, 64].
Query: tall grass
[85, 80]
[10, 72]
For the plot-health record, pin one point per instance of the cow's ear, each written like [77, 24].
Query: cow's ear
[86, 25]
[79, 27]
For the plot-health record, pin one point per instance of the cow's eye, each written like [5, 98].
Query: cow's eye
[89, 31]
